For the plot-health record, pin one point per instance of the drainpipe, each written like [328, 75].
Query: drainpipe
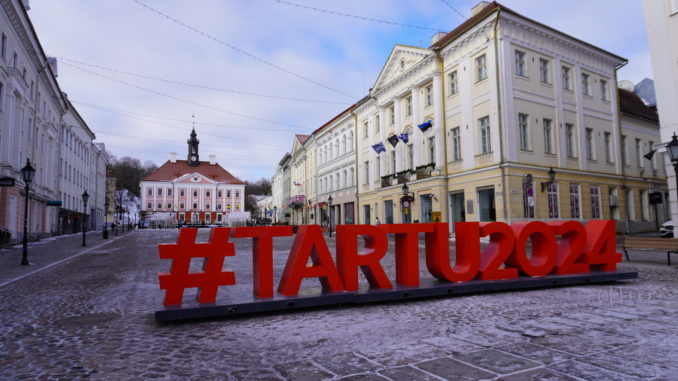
[356, 212]
[504, 181]
[446, 197]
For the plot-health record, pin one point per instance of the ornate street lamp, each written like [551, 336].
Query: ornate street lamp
[672, 150]
[106, 219]
[406, 202]
[85, 197]
[27, 173]
[329, 201]
[552, 179]
[406, 189]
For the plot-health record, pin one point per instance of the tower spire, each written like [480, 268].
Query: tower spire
[193, 158]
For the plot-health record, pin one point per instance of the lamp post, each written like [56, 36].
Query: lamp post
[329, 202]
[275, 214]
[106, 219]
[27, 173]
[672, 149]
[406, 202]
[552, 179]
[85, 197]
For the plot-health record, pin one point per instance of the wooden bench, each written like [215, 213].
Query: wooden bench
[651, 243]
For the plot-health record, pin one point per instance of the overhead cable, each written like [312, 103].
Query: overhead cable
[246, 93]
[239, 50]
[454, 9]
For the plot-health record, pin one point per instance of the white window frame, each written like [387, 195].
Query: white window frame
[604, 90]
[565, 72]
[519, 62]
[454, 82]
[544, 70]
[590, 144]
[553, 202]
[456, 144]
[586, 84]
[548, 135]
[428, 92]
[485, 135]
[524, 131]
[481, 68]
[596, 205]
[575, 201]
[570, 139]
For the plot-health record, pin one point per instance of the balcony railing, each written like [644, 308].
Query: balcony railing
[424, 171]
[403, 176]
[386, 181]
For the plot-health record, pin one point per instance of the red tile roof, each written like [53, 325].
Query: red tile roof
[302, 138]
[631, 104]
[170, 171]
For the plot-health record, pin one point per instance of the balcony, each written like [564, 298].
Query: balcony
[386, 181]
[403, 176]
[424, 171]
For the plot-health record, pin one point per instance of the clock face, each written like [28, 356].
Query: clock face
[193, 158]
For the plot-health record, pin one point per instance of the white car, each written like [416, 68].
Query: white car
[666, 231]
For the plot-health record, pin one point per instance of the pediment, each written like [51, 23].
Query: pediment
[401, 59]
[193, 178]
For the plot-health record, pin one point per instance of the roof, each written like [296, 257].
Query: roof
[170, 171]
[490, 9]
[631, 104]
[302, 138]
[349, 108]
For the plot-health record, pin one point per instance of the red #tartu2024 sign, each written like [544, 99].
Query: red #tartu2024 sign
[561, 247]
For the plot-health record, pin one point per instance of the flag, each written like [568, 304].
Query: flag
[426, 125]
[404, 137]
[393, 139]
[379, 147]
[296, 183]
[649, 155]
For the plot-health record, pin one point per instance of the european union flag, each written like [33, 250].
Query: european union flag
[379, 147]
[404, 137]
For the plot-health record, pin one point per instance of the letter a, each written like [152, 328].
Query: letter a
[309, 242]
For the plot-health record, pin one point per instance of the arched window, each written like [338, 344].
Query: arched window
[343, 144]
[337, 181]
[331, 152]
[344, 182]
[350, 179]
[336, 148]
[350, 141]
[331, 183]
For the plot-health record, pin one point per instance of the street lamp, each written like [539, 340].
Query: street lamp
[329, 201]
[275, 215]
[85, 197]
[672, 149]
[27, 173]
[406, 202]
[406, 189]
[552, 179]
[106, 219]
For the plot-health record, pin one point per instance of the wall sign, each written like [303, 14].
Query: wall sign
[580, 249]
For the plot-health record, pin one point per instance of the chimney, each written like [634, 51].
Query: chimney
[213, 159]
[52, 62]
[479, 7]
[173, 157]
[436, 37]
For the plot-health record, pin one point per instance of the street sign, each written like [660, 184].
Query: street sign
[53, 203]
[656, 198]
[6, 182]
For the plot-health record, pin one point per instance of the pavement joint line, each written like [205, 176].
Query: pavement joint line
[8, 282]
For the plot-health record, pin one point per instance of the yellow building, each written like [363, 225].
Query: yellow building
[505, 119]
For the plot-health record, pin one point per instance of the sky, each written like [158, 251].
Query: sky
[252, 73]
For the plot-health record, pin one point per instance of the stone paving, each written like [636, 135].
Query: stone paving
[92, 317]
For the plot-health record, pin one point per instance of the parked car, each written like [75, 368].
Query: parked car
[666, 231]
[143, 224]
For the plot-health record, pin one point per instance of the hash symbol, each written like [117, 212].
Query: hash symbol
[208, 281]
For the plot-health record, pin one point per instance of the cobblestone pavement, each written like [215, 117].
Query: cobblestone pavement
[92, 317]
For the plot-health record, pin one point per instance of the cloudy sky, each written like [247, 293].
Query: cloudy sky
[262, 70]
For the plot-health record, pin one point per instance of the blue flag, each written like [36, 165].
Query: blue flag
[426, 125]
[404, 137]
[379, 147]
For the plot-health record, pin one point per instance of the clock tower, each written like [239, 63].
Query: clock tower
[193, 158]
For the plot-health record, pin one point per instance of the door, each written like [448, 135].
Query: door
[457, 212]
[486, 209]
[388, 211]
[366, 213]
[426, 208]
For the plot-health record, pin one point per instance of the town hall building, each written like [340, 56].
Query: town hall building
[192, 191]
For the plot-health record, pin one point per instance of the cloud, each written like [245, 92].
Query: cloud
[341, 52]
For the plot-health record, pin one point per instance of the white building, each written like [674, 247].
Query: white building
[193, 191]
[661, 19]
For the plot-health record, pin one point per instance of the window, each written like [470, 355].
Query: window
[410, 157]
[523, 130]
[653, 163]
[367, 172]
[3, 47]
[181, 205]
[431, 149]
[169, 191]
[195, 193]
[604, 90]
[608, 147]
[228, 194]
[639, 153]
[393, 161]
[589, 144]
[150, 191]
[456, 144]
[219, 194]
[544, 72]
[365, 133]
[15, 60]
[644, 206]
[237, 194]
[520, 63]
[569, 140]
[481, 68]
[208, 216]
[485, 146]
[169, 205]
[575, 211]
[429, 95]
[391, 113]
[528, 198]
[350, 180]
[566, 78]
[595, 202]
[408, 102]
[454, 83]
[585, 85]
[207, 194]
[207, 206]
[377, 122]
[159, 206]
[625, 159]
[149, 205]
[553, 200]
